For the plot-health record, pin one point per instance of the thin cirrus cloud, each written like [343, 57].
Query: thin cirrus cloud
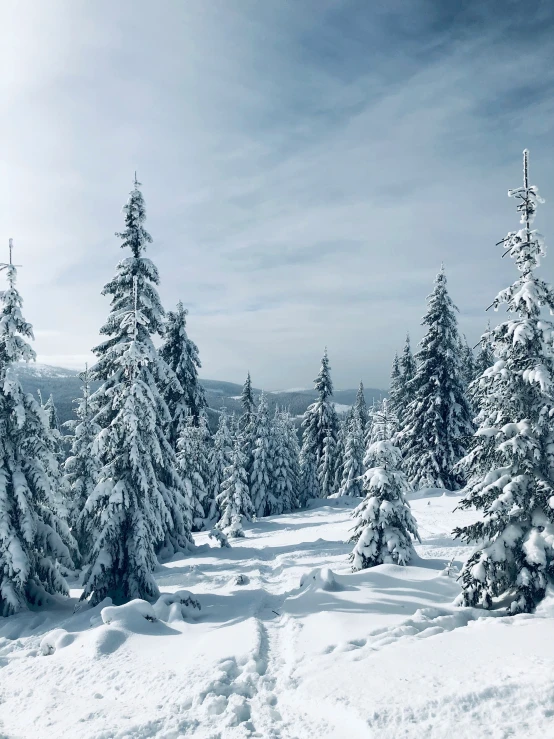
[306, 167]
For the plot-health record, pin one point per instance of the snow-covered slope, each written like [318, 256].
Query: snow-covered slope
[302, 648]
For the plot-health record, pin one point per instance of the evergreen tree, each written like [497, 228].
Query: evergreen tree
[186, 397]
[437, 422]
[408, 369]
[247, 425]
[384, 524]
[396, 388]
[384, 427]
[219, 458]
[261, 474]
[234, 500]
[54, 423]
[292, 463]
[192, 455]
[319, 443]
[82, 467]
[309, 481]
[467, 362]
[34, 540]
[509, 467]
[485, 357]
[140, 503]
[360, 408]
[344, 425]
[351, 483]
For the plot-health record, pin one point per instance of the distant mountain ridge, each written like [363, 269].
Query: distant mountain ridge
[65, 386]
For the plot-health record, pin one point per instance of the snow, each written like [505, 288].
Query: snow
[287, 643]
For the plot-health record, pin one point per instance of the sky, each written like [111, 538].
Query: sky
[306, 167]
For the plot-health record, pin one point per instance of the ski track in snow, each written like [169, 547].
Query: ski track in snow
[380, 653]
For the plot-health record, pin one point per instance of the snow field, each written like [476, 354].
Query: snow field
[302, 649]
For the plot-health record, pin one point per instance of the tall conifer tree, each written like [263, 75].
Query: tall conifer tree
[509, 467]
[34, 540]
[437, 422]
[140, 504]
[186, 397]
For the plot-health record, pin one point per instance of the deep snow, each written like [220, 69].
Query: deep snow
[300, 648]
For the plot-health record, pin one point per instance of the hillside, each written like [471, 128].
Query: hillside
[64, 384]
[288, 643]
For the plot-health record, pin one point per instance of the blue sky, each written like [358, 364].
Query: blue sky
[306, 167]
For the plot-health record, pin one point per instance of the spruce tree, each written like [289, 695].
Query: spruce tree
[309, 481]
[261, 474]
[485, 356]
[437, 423]
[321, 427]
[140, 504]
[384, 522]
[34, 540]
[247, 425]
[351, 483]
[234, 500]
[192, 455]
[344, 425]
[509, 467]
[82, 467]
[360, 408]
[467, 362]
[292, 462]
[219, 458]
[185, 397]
[408, 369]
[396, 388]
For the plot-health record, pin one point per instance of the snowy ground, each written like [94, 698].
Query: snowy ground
[381, 653]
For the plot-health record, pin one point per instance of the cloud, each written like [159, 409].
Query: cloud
[306, 167]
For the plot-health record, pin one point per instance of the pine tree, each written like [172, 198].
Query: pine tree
[292, 462]
[509, 467]
[467, 362]
[321, 427]
[34, 540]
[82, 467]
[309, 481]
[351, 483]
[140, 504]
[437, 422]
[247, 425]
[261, 474]
[234, 500]
[485, 357]
[219, 458]
[186, 397]
[192, 455]
[385, 524]
[344, 425]
[408, 369]
[384, 427]
[360, 408]
[396, 388]
[54, 423]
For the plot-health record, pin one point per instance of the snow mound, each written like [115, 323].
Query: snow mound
[130, 615]
[55, 640]
[433, 493]
[320, 579]
[178, 606]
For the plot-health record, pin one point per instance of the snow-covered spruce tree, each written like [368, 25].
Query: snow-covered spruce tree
[186, 397]
[219, 458]
[261, 474]
[140, 504]
[408, 369]
[344, 425]
[82, 467]
[351, 483]
[309, 481]
[58, 446]
[396, 387]
[247, 425]
[292, 455]
[437, 423]
[360, 408]
[278, 484]
[234, 500]
[384, 521]
[485, 357]
[513, 484]
[34, 540]
[384, 426]
[319, 441]
[192, 455]
[467, 361]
